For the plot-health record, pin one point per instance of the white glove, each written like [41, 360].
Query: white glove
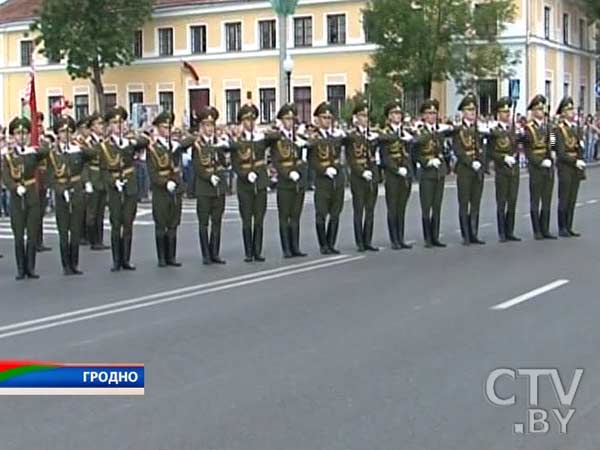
[252, 177]
[214, 180]
[331, 172]
[372, 136]
[294, 176]
[67, 195]
[476, 165]
[580, 164]
[171, 186]
[435, 162]
[300, 142]
[119, 185]
[510, 160]
[367, 175]
[89, 188]
[402, 171]
[21, 190]
[552, 139]
[547, 163]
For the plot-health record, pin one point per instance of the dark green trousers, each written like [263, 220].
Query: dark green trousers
[329, 202]
[541, 183]
[397, 193]
[507, 193]
[431, 194]
[470, 188]
[25, 218]
[94, 217]
[569, 179]
[69, 218]
[290, 203]
[364, 199]
[253, 207]
[209, 210]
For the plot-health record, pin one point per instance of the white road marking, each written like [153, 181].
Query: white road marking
[592, 202]
[529, 295]
[138, 303]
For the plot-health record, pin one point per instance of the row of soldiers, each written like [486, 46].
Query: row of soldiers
[94, 162]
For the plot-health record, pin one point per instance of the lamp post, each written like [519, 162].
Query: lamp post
[288, 67]
[284, 9]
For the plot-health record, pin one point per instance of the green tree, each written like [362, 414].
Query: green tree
[91, 35]
[427, 41]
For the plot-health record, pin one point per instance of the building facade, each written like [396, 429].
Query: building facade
[198, 52]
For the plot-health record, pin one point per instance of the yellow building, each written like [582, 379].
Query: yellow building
[232, 46]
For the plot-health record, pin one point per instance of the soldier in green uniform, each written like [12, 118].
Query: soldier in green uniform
[43, 185]
[541, 168]
[164, 169]
[66, 163]
[570, 165]
[95, 186]
[286, 152]
[210, 163]
[430, 158]
[469, 170]
[507, 173]
[20, 162]
[82, 134]
[397, 172]
[325, 149]
[116, 162]
[249, 163]
[364, 176]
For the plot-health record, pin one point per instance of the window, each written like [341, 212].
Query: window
[566, 28]
[137, 44]
[53, 59]
[165, 41]
[165, 100]
[548, 91]
[582, 97]
[233, 36]
[547, 22]
[267, 105]
[488, 96]
[110, 101]
[82, 106]
[232, 104]
[198, 39]
[26, 53]
[51, 101]
[336, 95]
[486, 20]
[268, 34]
[413, 98]
[302, 100]
[566, 89]
[303, 32]
[134, 98]
[366, 31]
[582, 34]
[336, 29]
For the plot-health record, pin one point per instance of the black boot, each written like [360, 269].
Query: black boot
[204, 245]
[161, 250]
[510, 226]
[358, 234]
[569, 222]
[500, 218]
[562, 225]
[20, 258]
[368, 235]
[322, 238]
[535, 225]
[435, 233]
[215, 245]
[126, 242]
[285, 241]
[463, 219]
[247, 237]
[115, 246]
[100, 236]
[545, 224]
[294, 233]
[171, 253]
[427, 232]
[332, 232]
[392, 230]
[257, 243]
[64, 257]
[400, 234]
[74, 257]
[30, 260]
[474, 229]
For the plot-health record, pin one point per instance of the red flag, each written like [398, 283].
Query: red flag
[32, 103]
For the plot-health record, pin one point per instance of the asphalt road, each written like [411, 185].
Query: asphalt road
[361, 351]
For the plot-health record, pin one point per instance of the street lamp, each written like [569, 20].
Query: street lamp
[288, 67]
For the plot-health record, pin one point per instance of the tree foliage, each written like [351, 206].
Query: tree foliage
[427, 41]
[90, 35]
[381, 91]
